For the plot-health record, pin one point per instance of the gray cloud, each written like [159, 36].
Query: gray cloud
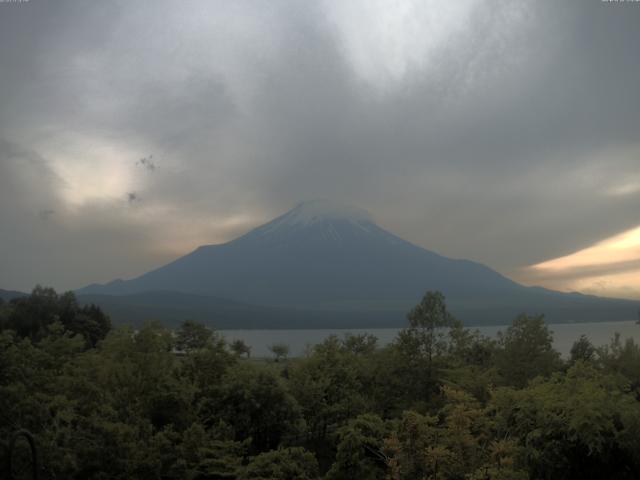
[502, 141]
[45, 214]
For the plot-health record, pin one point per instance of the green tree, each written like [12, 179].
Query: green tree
[407, 448]
[359, 450]
[360, 344]
[427, 322]
[468, 347]
[454, 443]
[622, 359]
[418, 349]
[526, 351]
[282, 464]
[193, 335]
[470, 362]
[205, 367]
[255, 403]
[197, 453]
[33, 315]
[328, 386]
[582, 424]
[90, 322]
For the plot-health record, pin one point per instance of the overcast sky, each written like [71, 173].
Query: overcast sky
[503, 132]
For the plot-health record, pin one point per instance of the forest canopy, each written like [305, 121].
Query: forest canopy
[440, 402]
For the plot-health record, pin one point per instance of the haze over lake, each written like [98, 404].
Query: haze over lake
[564, 334]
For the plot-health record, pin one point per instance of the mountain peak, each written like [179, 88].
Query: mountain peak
[316, 220]
[314, 211]
[331, 259]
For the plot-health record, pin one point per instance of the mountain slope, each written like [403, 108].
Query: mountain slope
[315, 255]
[173, 307]
[323, 256]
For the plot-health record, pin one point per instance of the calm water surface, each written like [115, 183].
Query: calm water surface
[564, 334]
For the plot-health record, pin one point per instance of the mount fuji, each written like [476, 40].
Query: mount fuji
[323, 264]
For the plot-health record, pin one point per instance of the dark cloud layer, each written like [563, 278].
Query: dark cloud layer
[502, 132]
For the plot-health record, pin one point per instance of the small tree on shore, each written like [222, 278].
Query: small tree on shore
[280, 351]
[240, 348]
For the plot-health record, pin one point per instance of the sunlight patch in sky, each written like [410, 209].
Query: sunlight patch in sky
[611, 267]
[385, 40]
[93, 170]
[619, 248]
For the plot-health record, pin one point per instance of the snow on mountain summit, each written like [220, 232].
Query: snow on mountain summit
[325, 218]
[314, 211]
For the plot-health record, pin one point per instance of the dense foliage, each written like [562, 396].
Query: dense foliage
[440, 402]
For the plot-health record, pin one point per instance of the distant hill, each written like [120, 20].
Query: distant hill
[7, 295]
[173, 307]
[327, 261]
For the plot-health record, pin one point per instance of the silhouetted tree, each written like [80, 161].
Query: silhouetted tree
[240, 348]
[427, 322]
[360, 344]
[418, 346]
[33, 316]
[280, 351]
[582, 350]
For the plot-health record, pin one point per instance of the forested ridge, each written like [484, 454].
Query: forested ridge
[440, 402]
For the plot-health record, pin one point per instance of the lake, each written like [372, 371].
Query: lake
[564, 334]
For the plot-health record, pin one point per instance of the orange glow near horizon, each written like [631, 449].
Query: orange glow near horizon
[610, 267]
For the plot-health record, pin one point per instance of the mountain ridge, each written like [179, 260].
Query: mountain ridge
[7, 295]
[322, 256]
